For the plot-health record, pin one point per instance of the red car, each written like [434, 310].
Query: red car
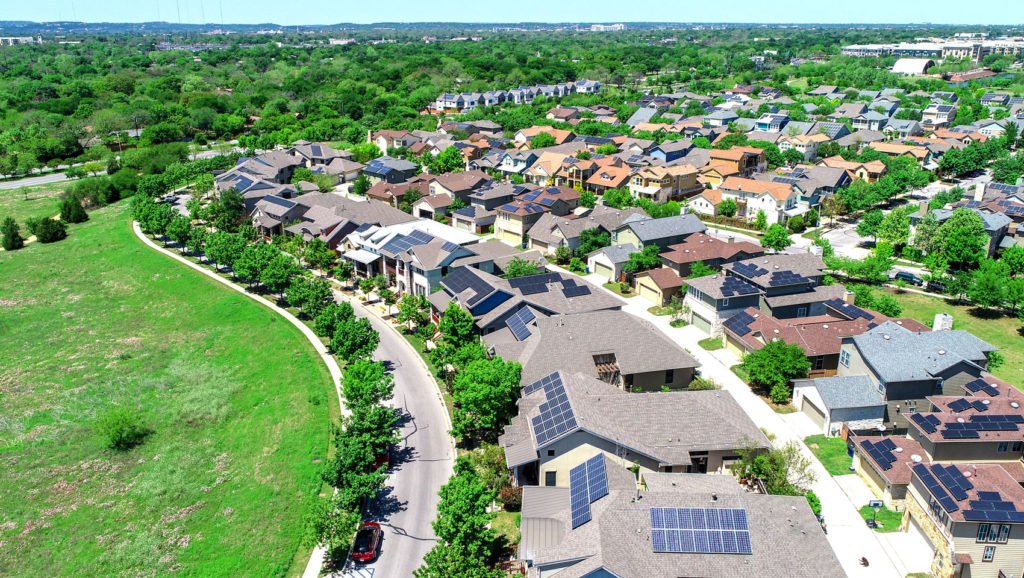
[367, 541]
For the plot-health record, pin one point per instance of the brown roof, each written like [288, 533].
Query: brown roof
[664, 278]
[701, 247]
[899, 149]
[899, 473]
[721, 166]
[384, 191]
[985, 478]
[838, 162]
[464, 181]
[1002, 404]
[779, 191]
[610, 176]
[734, 153]
[560, 135]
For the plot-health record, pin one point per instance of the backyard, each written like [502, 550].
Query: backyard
[831, 452]
[235, 398]
[1003, 331]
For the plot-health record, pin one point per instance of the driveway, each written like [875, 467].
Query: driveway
[847, 533]
[421, 464]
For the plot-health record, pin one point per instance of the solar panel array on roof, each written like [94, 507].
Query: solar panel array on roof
[317, 151]
[449, 247]
[517, 323]
[954, 480]
[748, 270]
[928, 423]
[739, 323]
[588, 482]
[781, 278]
[881, 452]
[959, 405]
[547, 201]
[541, 278]
[534, 289]
[532, 195]
[979, 405]
[402, 243]
[980, 385]
[700, 530]
[556, 417]
[935, 488]
[462, 279]
[510, 207]
[275, 200]
[847, 309]
[735, 287]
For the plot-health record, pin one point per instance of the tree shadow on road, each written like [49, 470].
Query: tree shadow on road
[385, 505]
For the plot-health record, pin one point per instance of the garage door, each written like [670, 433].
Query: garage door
[733, 346]
[603, 270]
[649, 292]
[816, 415]
[701, 323]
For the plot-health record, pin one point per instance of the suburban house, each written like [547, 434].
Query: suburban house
[609, 176]
[566, 418]
[393, 139]
[806, 145]
[516, 162]
[711, 251]
[581, 343]
[662, 232]
[789, 284]
[625, 528]
[515, 218]
[720, 118]
[662, 184]
[921, 154]
[496, 303]
[317, 154]
[551, 231]
[870, 171]
[777, 200]
[860, 139]
[903, 128]
[771, 122]
[713, 299]
[671, 150]
[390, 170]
[744, 161]
[870, 120]
[459, 185]
[394, 194]
[812, 182]
[326, 216]
[884, 463]
[523, 137]
[909, 366]
[659, 286]
[937, 115]
[432, 206]
[714, 173]
[608, 262]
[481, 212]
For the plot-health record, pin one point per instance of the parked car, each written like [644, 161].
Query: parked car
[367, 542]
[908, 278]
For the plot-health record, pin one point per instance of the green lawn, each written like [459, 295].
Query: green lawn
[506, 525]
[617, 289]
[888, 520]
[660, 311]
[1003, 331]
[711, 343]
[237, 399]
[38, 201]
[831, 452]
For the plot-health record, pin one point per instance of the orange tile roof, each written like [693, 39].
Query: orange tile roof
[779, 191]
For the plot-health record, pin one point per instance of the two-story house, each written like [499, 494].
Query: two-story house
[771, 122]
[662, 232]
[870, 120]
[806, 145]
[789, 284]
[661, 184]
[516, 162]
[777, 200]
[515, 218]
[551, 231]
[938, 115]
[743, 161]
[390, 170]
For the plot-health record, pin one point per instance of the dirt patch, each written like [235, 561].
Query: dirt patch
[182, 513]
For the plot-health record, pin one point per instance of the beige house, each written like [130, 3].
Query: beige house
[751, 196]
[805, 144]
[662, 184]
[870, 171]
[659, 286]
[565, 419]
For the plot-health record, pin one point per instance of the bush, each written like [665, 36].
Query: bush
[813, 502]
[47, 230]
[796, 224]
[511, 497]
[121, 428]
[71, 210]
[779, 394]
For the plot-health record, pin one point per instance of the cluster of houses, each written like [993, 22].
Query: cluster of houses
[455, 103]
[933, 432]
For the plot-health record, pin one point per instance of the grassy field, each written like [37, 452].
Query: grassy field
[831, 452]
[711, 343]
[236, 398]
[38, 201]
[888, 520]
[1005, 332]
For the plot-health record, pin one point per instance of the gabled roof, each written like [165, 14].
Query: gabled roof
[895, 353]
[848, 391]
[779, 191]
[702, 247]
[665, 227]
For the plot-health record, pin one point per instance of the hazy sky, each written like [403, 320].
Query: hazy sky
[362, 11]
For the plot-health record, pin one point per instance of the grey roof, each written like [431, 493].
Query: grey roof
[327, 208]
[804, 264]
[645, 423]
[642, 115]
[570, 342]
[711, 286]
[819, 294]
[617, 253]
[653, 229]
[993, 221]
[799, 127]
[662, 481]
[895, 353]
[726, 115]
[829, 129]
[849, 391]
[785, 537]
[600, 217]
[745, 124]
[861, 136]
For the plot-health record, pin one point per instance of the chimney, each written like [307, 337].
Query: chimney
[979, 192]
[731, 239]
[849, 297]
[369, 135]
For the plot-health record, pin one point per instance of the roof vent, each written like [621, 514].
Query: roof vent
[985, 401]
[942, 352]
[915, 458]
[959, 420]
[1014, 404]
[886, 337]
[825, 326]
[898, 322]
[967, 474]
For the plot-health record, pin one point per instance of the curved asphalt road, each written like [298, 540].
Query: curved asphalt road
[420, 464]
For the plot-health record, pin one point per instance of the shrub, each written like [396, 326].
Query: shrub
[47, 230]
[71, 210]
[121, 428]
[779, 394]
[813, 502]
[511, 497]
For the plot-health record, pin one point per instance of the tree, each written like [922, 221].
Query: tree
[894, 228]
[278, 272]
[593, 239]
[796, 224]
[485, 394]
[926, 235]
[962, 239]
[319, 255]
[227, 211]
[520, 268]
[1013, 257]
[388, 297]
[462, 516]
[448, 161]
[588, 199]
[700, 269]
[617, 198]
[1014, 293]
[224, 248]
[121, 428]
[727, 208]
[332, 316]
[354, 339]
[253, 260]
[643, 260]
[776, 238]
[869, 223]
[562, 255]
[71, 210]
[11, 235]
[761, 220]
[311, 295]
[180, 230]
[366, 384]
[785, 471]
[445, 560]
[793, 157]
[361, 185]
[988, 287]
[542, 140]
[776, 365]
[413, 310]
[344, 270]
[456, 326]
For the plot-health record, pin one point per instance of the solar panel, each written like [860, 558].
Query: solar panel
[533, 289]
[449, 247]
[546, 383]
[700, 530]
[597, 478]
[923, 422]
[959, 405]
[579, 501]
[748, 270]
[979, 406]
[739, 323]
[547, 202]
[737, 286]
[935, 488]
[517, 323]
[990, 496]
[556, 417]
[577, 291]
[542, 278]
[980, 385]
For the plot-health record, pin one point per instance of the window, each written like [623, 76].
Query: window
[550, 478]
[801, 312]
[993, 533]
[1004, 533]
[844, 357]
[982, 532]
[990, 553]
[1018, 446]
[551, 453]
[819, 362]
[670, 376]
[1003, 447]
[724, 302]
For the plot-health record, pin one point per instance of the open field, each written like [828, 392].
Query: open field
[236, 398]
[25, 202]
[1003, 331]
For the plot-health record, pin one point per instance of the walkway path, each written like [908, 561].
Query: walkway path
[424, 459]
[847, 533]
